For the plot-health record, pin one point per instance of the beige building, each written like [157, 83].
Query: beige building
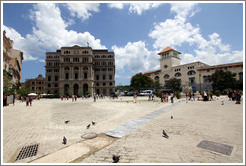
[80, 70]
[12, 61]
[36, 85]
[191, 74]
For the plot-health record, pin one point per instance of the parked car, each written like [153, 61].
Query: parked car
[145, 92]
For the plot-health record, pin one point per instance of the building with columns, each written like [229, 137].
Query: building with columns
[36, 85]
[193, 74]
[80, 70]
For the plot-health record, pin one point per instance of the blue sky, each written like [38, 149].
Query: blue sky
[208, 32]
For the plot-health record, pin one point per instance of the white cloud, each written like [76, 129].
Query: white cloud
[46, 36]
[83, 10]
[140, 7]
[137, 8]
[116, 5]
[177, 31]
[184, 9]
[136, 57]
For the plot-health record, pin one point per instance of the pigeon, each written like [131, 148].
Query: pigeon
[64, 140]
[88, 126]
[116, 159]
[222, 103]
[67, 121]
[164, 134]
[171, 117]
[93, 123]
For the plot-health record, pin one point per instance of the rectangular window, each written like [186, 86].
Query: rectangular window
[110, 77]
[67, 76]
[97, 77]
[56, 78]
[85, 75]
[104, 77]
[76, 76]
[49, 78]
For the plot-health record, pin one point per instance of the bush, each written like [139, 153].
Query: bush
[178, 95]
[217, 93]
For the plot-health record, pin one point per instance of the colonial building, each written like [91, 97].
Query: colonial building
[12, 61]
[36, 85]
[191, 74]
[80, 70]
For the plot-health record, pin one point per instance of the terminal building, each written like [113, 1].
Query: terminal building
[194, 74]
[79, 71]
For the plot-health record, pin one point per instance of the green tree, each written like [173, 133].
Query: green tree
[23, 91]
[222, 80]
[8, 87]
[174, 84]
[141, 81]
[157, 85]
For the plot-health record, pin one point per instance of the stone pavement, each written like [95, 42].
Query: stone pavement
[141, 141]
[126, 128]
[43, 122]
[192, 123]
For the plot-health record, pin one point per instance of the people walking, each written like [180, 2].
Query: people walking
[30, 100]
[27, 101]
[171, 97]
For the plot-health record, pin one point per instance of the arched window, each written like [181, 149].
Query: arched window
[85, 68]
[166, 76]
[165, 66]
[67, 68]
[156, 78]
[177, 74]
[76, 68]
[192, 72]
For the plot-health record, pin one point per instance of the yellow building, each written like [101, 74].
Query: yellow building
[191, 74]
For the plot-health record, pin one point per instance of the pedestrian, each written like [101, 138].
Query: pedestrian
[149, 96]
[61, 97]
[230, 95]
[238, 97]
[153, 96]
[135, 97]
[233, 95]
[13, 100]
[67, 97]
[75, 97]
[211, 96]
[161, 97]
[171, 97]
[27, 101]
[165, 97]
[95, 97]
[193, 95]
[189, 95]
[205, 96]
[30, 100]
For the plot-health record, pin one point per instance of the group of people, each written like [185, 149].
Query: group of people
[29, 101]
[234, 95]
[164, 97]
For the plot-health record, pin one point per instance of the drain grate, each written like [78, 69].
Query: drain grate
[216, 147]
[27, 151]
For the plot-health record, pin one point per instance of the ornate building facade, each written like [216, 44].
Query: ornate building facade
[193, 74]
[36, 85]
[80, 70]
[12, 61]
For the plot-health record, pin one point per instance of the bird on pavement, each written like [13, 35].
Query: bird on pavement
[222, 103]
[88, 126]
[164, 134]
[116, 159]
[67, 121]
[93, 123]
[171, 117]
[64, 140]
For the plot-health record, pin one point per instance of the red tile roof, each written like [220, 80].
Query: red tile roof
[223, 65]
[168, 49]
[152, 72]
